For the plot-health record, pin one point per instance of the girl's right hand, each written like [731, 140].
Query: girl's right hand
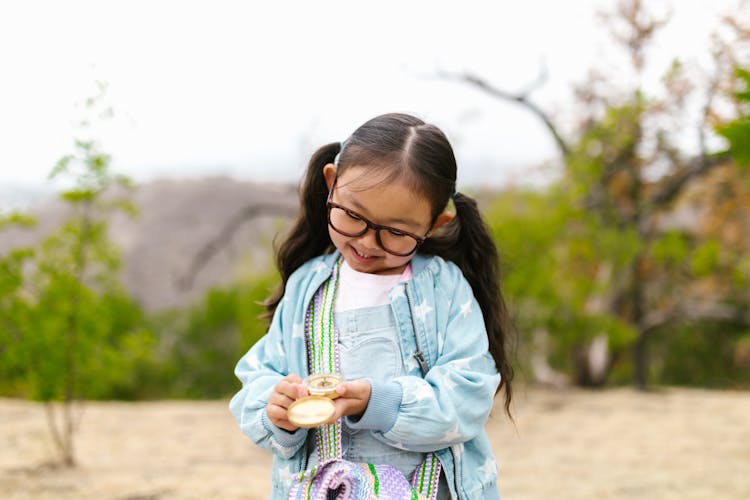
[288, 390]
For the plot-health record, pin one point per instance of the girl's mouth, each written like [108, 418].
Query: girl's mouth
[361, 256]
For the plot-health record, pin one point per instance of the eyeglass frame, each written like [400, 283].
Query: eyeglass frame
[371, 225]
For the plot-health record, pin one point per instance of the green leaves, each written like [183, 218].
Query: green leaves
[200, 345]
[705, 259]
[16, 219]
[672, 248]
[560, 263]
[737, 132]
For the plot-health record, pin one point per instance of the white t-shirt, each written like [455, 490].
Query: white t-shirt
[358, 289]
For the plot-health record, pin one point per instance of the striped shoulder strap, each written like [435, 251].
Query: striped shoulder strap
[323, 356]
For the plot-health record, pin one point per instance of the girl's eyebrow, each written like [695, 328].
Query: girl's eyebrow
[395, 220]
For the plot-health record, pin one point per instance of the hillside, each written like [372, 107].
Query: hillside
[192, 234]
[189, 235]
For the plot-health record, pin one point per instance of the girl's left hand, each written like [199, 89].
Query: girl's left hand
[353, 399]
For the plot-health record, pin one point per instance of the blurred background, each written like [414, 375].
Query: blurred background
[151, 151]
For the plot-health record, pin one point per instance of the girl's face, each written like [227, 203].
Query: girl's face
[392, 204]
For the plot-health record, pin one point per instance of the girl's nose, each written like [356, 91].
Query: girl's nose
[369, 239]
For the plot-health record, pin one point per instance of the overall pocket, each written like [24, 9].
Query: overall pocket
[369, 344]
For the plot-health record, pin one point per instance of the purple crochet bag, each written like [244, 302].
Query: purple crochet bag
[343, 480]
[335, 478]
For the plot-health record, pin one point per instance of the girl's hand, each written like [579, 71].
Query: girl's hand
[353, 399]
[288, 390]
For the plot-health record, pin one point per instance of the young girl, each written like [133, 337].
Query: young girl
[416, 307]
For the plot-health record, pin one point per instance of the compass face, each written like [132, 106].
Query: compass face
[311, 411]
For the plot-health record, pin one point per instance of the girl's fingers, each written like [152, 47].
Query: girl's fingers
[302, 391]
[292, 391]
[280, 400]
[348, 406]
[356, 389]
[353, 399]
[289, 388]
[278, 416]
[275, 413]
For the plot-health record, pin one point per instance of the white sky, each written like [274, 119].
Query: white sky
[249, 89]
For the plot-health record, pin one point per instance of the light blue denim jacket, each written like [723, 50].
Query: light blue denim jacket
[443, 411]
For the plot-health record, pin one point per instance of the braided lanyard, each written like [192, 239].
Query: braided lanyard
[323, 357]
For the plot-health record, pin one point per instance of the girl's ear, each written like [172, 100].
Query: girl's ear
[329, 172]
[442, 219]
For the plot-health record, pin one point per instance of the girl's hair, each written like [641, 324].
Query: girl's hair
[402, 147]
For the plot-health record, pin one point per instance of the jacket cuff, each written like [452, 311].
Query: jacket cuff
[382, 409]
[281, 436]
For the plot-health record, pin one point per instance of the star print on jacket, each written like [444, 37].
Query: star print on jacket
[451, 435]
[466, 308]
[489, 468]
[422, 310]
[423, 391]
[286, 474]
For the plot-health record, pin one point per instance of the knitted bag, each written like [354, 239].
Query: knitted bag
[335, 478]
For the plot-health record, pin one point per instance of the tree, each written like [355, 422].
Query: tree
[623, 173]
[85, 332]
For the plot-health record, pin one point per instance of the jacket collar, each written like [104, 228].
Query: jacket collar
[418, 262]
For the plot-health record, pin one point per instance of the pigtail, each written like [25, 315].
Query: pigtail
[467, 242]
[308, 236]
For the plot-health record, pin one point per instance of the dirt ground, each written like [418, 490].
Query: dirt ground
[569, 444]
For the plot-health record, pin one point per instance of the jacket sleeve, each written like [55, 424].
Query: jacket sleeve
[264, 365]
[451, 404]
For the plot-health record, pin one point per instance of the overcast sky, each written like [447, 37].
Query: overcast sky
[249, 89]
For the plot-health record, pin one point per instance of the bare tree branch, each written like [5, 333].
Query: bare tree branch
[695, 311]
[714, 85]
[673, 186]
[225, 235]
[631, 25]
[521, 98]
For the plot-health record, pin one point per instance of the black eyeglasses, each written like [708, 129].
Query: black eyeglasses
[350, 223]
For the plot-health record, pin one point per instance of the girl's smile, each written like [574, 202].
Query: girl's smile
[364, 256]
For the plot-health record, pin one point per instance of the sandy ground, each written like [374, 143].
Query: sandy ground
[613, 444]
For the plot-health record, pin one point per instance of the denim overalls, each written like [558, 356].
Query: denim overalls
[369, 348]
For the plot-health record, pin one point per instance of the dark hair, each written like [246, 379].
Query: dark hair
[406, 148]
